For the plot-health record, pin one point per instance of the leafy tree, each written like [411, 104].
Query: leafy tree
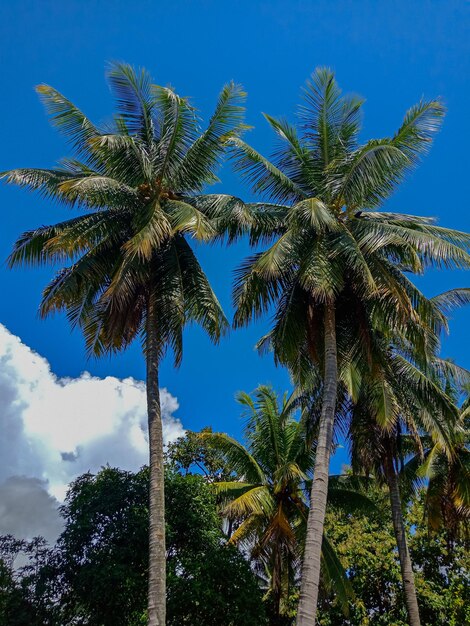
[365, 544]
[334, 269]
[15, 608]
[443, 564]
[190, 452]
[103, 552]
[132, 272]
[447, 503]
[26, 595]
[210, 583]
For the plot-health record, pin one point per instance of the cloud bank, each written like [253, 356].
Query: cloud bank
[54, 429]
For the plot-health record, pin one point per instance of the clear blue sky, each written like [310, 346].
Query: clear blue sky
[392, 53]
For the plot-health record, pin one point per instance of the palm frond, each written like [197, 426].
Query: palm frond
[256, 501]
[264, 177]
[452, 299]
[199, 300]
[330, 122]
[335, 575]
[253, 294]
[69, 120]
[369, 175]
[133, 91]
[242, 462]
[204, 156]
[152, 229]
[186, 218]
[293, 157]
[93, 191]
[420, 124]
[126, 157]
[178, 131]
[46, 181]
[313, 213]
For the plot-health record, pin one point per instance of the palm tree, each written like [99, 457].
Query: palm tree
[447, 495]
[397, 404]
[267, 494]
[447, 469]
[132, 271]
[335, 268]
[267, 498]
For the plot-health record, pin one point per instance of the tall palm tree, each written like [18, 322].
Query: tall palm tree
[397, 404]
[447, 503]
[267, 499]
[447, 470]
[447, 495]
[335, 267]
[132, 271]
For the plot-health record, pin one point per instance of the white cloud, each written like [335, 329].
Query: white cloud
[54, 429]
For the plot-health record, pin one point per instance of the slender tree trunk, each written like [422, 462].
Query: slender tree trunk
[307, 611]
[403, 552]
[157, 550]
[276, 582]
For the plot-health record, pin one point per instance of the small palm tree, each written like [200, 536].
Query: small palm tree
[267, 500]
[267, 496]
[334, 271]
[132, 272]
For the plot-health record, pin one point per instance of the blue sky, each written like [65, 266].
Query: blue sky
[392, 53]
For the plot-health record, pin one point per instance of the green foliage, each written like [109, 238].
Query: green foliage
[15, 609]
[97, 573]
[328, 244]
[26, 593]
[366, 546]
[209, 583]
[218, 590]
[127, 268]
[190, 453]
[265, 500]
[329, 252]
[443, 563]
[138, 184]
[102, 553]
[447, 503]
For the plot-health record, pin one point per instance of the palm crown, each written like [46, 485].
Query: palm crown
[138, 182]
[447, 498]
[267, 497]
[396, 404]
[330, 245]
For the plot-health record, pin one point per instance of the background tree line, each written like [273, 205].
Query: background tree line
[234, 548]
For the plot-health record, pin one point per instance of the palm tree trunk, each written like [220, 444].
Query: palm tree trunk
[276, 583]
[157, 550]
[306, 613]
[403, 552]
